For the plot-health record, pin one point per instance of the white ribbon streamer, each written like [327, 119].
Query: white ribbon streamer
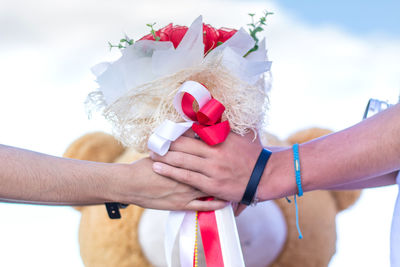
[187, 239]
[229, 237]
[172, 226]
[160, 141]
[184, 222]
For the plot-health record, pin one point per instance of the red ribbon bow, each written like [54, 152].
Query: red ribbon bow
[209, 126]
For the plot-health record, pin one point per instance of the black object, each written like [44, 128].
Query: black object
[113, 209]
[255, 177]
[375, 106]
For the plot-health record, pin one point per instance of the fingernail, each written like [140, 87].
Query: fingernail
[157, 167]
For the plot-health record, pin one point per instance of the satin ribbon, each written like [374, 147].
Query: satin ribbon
[206, 122]
[218, 229]
[210, 237]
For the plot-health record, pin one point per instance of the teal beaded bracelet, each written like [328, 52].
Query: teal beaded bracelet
[297, 169]
[297, 172]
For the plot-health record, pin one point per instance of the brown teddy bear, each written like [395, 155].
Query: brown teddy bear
[137, 238]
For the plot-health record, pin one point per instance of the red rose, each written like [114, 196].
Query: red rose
[168, 33]
[225, 34]
[177, 34]
[174, 34]
[210, 37]
[163, 33]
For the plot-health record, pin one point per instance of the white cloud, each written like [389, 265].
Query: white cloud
[322, 76]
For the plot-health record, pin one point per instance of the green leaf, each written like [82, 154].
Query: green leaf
[256, 27]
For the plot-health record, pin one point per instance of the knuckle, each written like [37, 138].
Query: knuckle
[218, 150]
[213, 188]
[178, 159]
[218, 169]
[166, 170]
[186, 176]
[178, 143]
[154, 156]
[217, 183]
[174, 145]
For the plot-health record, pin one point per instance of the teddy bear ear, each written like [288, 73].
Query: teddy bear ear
[268, 139]
[96, 146]
[307, 135]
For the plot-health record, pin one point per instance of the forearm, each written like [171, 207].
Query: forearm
[383, 180]
[31, 177]
[368, 149]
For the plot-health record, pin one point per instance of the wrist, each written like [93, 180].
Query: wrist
[120, 185]
[278, 178]
[105, 182]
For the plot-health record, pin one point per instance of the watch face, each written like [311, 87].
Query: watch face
[375, 106]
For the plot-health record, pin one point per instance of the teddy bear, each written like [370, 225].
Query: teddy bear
[137, 238]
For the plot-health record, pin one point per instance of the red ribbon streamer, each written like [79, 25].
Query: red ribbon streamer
[212, 131]
[210, 238]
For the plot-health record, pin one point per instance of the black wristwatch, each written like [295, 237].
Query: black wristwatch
[113, 209]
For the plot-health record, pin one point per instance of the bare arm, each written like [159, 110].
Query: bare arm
[30, 177]
[383, 180]
[366, 150]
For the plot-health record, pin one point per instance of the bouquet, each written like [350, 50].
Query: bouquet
[176, 78]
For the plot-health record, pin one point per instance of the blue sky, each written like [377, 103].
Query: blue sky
[355, 16]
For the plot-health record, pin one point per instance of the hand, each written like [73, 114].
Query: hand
[222, 171]
[238, 208]
[150, 190]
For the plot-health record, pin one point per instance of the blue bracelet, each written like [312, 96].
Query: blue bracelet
[255, 177]
[297, 172]
[297, 169]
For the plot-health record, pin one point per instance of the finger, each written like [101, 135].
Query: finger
[194, 179]
[234, 206]
[190, 133]
[191, 146]
[181, 160]
[240, 209]
[201, 205]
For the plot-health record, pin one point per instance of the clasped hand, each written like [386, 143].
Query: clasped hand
[221, 171]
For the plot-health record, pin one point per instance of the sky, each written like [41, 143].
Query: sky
[357, 17]
[328, 60]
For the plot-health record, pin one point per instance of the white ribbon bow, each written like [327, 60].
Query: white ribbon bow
[160, 141]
